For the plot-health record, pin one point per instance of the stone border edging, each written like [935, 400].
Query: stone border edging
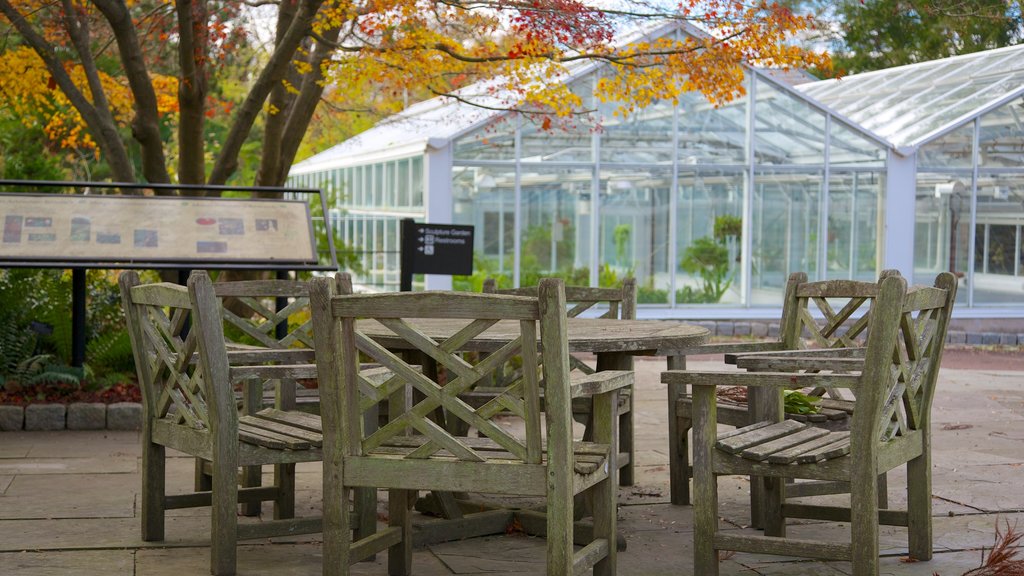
[76, 416]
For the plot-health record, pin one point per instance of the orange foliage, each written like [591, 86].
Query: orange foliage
[529, 47]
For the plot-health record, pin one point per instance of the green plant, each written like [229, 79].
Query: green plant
[622, 234]
[796, 402]
[709, 259]
[726, 226]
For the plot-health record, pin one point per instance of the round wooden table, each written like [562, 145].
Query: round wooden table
[613, 341]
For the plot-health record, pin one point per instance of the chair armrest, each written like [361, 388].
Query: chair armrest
[599, 382]
[759, 379]
[376, 374]
[770, 363]
[818, 352]
[247, 356]
[732, 348]
[292, 371]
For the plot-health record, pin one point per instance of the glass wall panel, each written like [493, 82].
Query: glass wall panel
[484, 197]
[942, 229]
[950, 151]
[997, 249]
[1002, 132]
[709, 134]
[848, 148]
[855, 209]
[785, 225]
[787, 130]
[555, 233]
[634, 230]
[644, 136]
[708, 268]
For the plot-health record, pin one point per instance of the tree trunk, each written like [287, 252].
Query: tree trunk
[192, 86]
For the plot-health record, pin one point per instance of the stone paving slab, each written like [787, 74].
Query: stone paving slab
[26, 466]
[70, 496]
[79, 563]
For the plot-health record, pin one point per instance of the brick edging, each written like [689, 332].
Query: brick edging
[76, 416]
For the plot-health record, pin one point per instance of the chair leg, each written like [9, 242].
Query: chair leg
[678, 444]
[626, 444]
[224, 525]
[919, 506]
[252, 477]
[400, 555]
[773, 492]
[864, 524]
[154, 482]
[337, 522]
[705, 485]
[883, 491]
[284, 479]
[203, 481]
[679, 461]
[603, 495]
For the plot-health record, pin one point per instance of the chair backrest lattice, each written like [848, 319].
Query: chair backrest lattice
[916, 355]
[900, 365]
[159, 322]
[620, 302]
[844, 312]
[253, 311]
[411, 423]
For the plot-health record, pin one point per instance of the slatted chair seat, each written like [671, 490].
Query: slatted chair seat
[786, 442]
[589, 457]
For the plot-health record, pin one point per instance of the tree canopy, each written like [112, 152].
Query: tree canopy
[178, 91]
[875, 34]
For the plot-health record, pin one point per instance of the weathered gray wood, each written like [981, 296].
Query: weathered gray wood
[905, 340]
[190, 405]
[736, 443]
[760, 379]
[788, 546]
[789, 455]
[414, 451]
[763, 451]
[470, 525]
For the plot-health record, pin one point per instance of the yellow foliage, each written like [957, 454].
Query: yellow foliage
[30, 92]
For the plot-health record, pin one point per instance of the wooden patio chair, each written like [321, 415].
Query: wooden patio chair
[189, 404]
[844, 315]
[412, 452]
[893, 384]
[260, 315]
[617, 303]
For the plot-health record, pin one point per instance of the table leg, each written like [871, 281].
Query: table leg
[627, 448]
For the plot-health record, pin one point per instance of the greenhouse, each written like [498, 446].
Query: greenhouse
[918, 168]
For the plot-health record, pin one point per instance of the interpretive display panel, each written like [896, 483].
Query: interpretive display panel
[64, 227]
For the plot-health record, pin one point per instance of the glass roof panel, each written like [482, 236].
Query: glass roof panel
[787, 129]
[908, 103]
[710, 134]
[849, 148]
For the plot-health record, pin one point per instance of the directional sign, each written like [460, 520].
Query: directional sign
[436, 249]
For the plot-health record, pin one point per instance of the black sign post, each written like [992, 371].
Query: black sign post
[435, 249]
